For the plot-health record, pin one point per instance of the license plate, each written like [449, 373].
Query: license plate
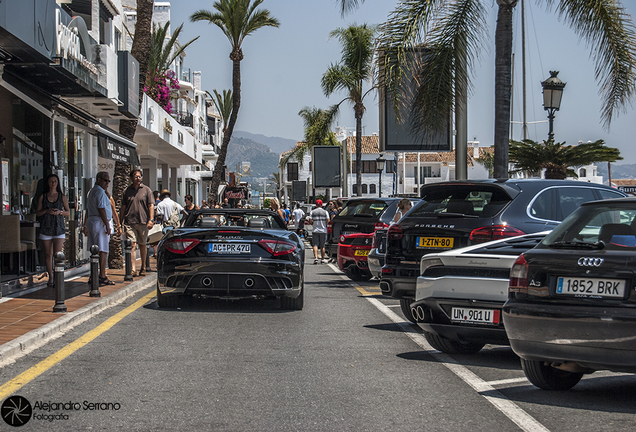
[591, 287]
[475, 316]
[229, 248]
[361, 252]
[435, 242]
[348, 232]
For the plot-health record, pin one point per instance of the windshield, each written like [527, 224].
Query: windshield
[597, 226]
[248, 218]
[468, 200]
[364, 208]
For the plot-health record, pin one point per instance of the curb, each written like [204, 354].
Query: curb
[43, 334]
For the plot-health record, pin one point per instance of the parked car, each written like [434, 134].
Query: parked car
[460, 293]
[571, 306]
[231, 254]
[456, 214]
[378, 248]
[360, 216]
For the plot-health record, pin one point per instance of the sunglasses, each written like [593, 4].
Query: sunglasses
[107, 181]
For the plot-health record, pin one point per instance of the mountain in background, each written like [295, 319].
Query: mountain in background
[262, 159]
[623, 171]
[277, 144]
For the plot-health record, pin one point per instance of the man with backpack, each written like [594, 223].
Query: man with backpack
[168, 211]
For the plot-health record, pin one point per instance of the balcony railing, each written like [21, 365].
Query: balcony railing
[184, 119]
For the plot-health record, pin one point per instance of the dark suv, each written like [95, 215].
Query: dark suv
[460, 213]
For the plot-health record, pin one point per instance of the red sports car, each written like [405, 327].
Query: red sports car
[353, 250]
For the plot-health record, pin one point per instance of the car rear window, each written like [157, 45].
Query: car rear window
[470, 200]
[366, 208]
[614, 225]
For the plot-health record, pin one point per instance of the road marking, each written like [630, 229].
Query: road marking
[365, 292]
[509, 381]
[510, 409]
[10, 387]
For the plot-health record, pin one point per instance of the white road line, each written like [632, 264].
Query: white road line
[508, 408]
[509, 381]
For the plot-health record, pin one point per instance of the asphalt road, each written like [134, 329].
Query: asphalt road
[347, 362]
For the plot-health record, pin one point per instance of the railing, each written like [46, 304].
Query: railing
[184, 119]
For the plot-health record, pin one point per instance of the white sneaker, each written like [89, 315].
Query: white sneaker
[315, 261]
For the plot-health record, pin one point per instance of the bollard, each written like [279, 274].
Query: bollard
[59, 283]
[95, 272]
[148, 249]
[128, 257]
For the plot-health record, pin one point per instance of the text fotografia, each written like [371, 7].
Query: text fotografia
[76, 406]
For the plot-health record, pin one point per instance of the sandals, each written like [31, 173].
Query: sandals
[105, 281]
[50, 284]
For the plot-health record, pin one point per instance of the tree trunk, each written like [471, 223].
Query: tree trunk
[236, 56]
[503, 80]
[359, 112]
[140, 50]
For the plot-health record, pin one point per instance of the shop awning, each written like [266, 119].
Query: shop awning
[111, 146]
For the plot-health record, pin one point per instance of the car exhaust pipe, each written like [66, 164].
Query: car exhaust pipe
[206, 281]
[420, 314]
[385, 287]
[249, 282]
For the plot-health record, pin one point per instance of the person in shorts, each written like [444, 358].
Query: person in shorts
[319, 218]
[99, 213]
[137, 214]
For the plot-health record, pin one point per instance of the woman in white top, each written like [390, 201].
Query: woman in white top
[403, 206]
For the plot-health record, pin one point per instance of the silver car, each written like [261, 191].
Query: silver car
[460, 293]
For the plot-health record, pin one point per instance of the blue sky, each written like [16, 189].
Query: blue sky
[283, 66]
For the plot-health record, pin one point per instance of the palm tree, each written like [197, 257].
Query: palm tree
[453, 31]
[557, 158]
[318, 131]
[223, 105]
[140, 50]
[355, 67]
[237, 19]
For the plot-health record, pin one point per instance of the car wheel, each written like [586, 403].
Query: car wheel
[168, 301]
[451, 346]
[288, 303]
[405, 305]
[355, 274]
[548, 378]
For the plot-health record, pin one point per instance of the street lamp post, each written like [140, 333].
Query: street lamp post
[552, 92]
[379, 165]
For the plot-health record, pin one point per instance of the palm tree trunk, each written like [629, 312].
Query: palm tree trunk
[236, 57]
[503, 80]
[359, 112]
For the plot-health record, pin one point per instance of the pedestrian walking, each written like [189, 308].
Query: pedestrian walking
[319, 218]
[99, 225]
[137, 213]
[51, 209]
[298, 216]
[403, 206]
[169, 211]
[274, 206]
[286, 212]
[189, 205]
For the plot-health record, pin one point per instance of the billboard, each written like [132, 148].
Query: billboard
[398, 136]
[299, 190]
[327, 166]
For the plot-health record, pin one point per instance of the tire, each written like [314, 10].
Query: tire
[355, 274]
[405, 305]
[451, 346]
[168, 301]
[288, 303]
[548, 378]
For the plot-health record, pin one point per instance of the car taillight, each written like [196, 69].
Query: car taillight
[329, 227]
[380, 225]
[395, 232]
[181, 246]
[277, 247]
[519, 276]
[493, 232]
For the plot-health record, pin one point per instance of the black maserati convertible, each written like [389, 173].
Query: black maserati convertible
[231, 254]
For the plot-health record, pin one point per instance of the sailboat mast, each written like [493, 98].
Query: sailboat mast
[523, 67]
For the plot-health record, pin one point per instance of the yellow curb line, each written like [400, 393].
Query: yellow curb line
[33, 372]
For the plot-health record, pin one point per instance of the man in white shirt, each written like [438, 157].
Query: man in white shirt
[166, 207]
[319, 218]
[297, 216]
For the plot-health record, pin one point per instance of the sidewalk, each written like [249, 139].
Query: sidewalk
[29, 319]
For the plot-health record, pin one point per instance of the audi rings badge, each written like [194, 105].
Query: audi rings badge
[590, 262]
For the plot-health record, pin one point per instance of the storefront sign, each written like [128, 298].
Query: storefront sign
[229, 194]
[67, 41]
[110, 149]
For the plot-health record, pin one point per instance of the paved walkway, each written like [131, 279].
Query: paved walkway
[29, 318]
